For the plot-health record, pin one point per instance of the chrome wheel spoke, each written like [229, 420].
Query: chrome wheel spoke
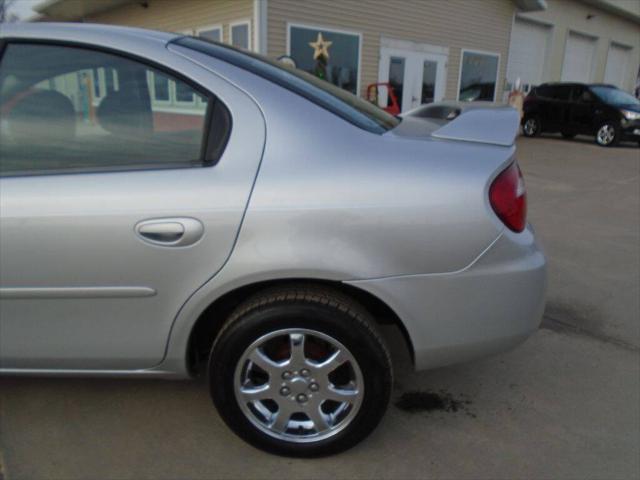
[296, 341]
[257, 357]
[321, 421]
[251, 394]
[335, 360]
[282, 417]
[341, 394]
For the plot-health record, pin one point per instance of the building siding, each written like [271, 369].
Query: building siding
[180, 16]
[567, 16]
[456, 24]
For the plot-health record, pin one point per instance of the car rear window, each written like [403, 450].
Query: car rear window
[350, 107]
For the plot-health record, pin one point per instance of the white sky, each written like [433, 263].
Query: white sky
[23, 8]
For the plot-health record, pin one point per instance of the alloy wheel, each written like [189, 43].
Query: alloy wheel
[530, 126]
[298, 385]
[606, 134]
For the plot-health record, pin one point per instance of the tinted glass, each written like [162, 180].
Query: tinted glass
[478, 77]
[429, 69]
[561, 92]
[614, 96]
[51, 120]
[542, 92]
[347, 106]
[331, 56]
[184, 93]
[160, 87]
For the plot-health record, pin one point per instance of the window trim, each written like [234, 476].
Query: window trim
[479, 52]
[206, 144]
[334, 30]
[215, 26]
[239, 23]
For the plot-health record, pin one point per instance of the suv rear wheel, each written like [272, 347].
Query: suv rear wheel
[531, 126]
[300, 371]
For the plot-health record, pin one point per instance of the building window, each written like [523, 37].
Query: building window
[184, 93]
[240, 34]
[160, 87]
[213, 33]
[331, 55]
[478, 76]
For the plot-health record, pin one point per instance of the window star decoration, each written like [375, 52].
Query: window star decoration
[320, 47]
[321, 56]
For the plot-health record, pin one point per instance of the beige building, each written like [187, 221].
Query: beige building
[429, 50]
[584, 41]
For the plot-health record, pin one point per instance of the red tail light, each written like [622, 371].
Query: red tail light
[508, 198]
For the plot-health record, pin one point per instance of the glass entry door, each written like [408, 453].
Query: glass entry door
[416, 77]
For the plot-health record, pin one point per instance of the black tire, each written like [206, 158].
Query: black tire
[568, 135]
[531, 126]
[309, 307]
[613, 127]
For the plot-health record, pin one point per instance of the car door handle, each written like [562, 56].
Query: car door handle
[170, 232]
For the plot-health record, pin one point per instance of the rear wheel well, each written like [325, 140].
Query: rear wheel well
[210, 322]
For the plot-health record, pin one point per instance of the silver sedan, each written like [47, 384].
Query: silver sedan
[172, 207]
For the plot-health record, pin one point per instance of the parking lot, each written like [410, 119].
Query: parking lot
[566, 404]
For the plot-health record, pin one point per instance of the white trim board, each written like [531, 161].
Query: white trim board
[392, 43]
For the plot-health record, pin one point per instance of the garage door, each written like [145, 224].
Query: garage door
[578, 58]
[617, 65]
[527, 52]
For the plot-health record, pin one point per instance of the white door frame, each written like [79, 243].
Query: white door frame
[415, 54]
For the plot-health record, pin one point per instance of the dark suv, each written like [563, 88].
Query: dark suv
[575, 108]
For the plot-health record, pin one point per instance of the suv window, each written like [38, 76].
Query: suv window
[581, 94]
[561, 92]
[74, 109]
[543, 92]
[554, 92]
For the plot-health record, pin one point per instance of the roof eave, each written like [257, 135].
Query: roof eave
[74, 10]
[531, 5]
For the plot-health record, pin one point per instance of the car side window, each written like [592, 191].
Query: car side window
[561, 92]
[586, 97]
[68, 109]
[543, 92]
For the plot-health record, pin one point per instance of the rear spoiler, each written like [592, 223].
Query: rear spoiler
[480, 123]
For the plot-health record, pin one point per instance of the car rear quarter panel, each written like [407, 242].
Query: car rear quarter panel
[331, 197]
[332, 201]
